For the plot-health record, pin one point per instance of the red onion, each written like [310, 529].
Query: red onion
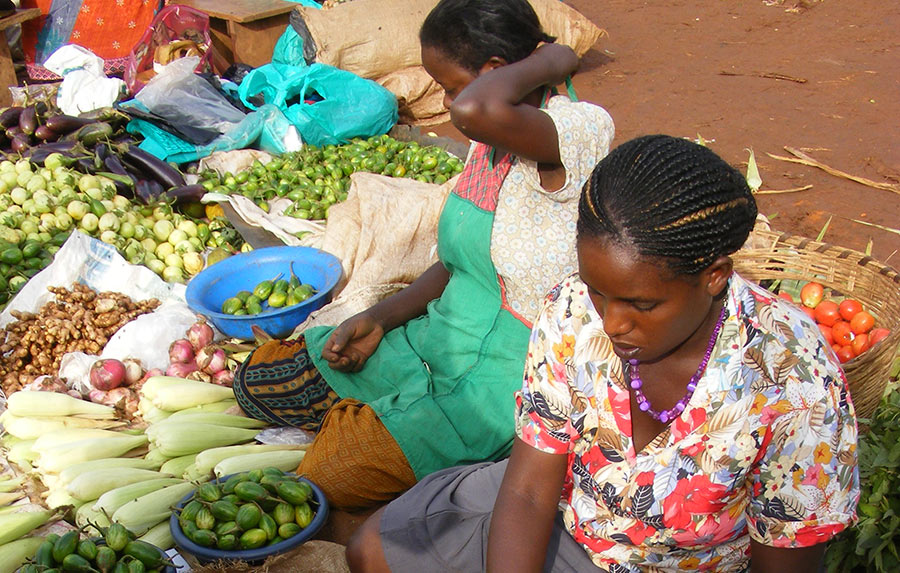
[107, 374]
[211, 359]
[200, 334]
[223, 378]
[133, 371]
[149, 374]
[181, 352]
[180, 369]
[75, 394]
[47, 383]
[97, 396]
[116, 395]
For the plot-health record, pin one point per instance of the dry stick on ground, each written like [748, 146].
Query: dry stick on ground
[805, 159]
[780, 191]
[768, 75]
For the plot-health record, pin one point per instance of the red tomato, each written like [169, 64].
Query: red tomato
[849, 307]
[841, 333]
[826, 331]
[835, 347]
[862, 322]
[876, 335]
[860, 344]
[809, 312]
[844, 353]
[827, 313]
[811, 294]
[786, 296]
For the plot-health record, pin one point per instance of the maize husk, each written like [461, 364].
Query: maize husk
[153, 454]
[14, 554]
[33, 427]
[59, 497]
[19, 452]
[91, 520]
[208, 459]
[149, 509]
[183, 438]
[67, 436]
[91, 485]
[21, 523]
[284, 460]
[55, 460]
[176, 466]
[229, 420]
[36, 404]
[159, 535]
[112, 500]
[154, 415]
[212, 407]
[73, 471]
[173, 394]
[11, 483]
[7, 498]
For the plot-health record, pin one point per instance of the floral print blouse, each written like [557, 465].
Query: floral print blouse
[765, 450]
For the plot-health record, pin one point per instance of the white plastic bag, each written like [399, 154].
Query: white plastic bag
[182, 97]
[84, 86]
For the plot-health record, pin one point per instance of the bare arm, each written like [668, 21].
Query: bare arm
[765, 559]
[525, 509]
[493, 108]
[412, 301]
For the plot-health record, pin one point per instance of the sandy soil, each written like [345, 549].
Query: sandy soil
[819, 76]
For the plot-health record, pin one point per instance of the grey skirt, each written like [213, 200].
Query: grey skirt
[441, 525]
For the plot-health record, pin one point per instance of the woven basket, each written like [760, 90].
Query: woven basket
[771, 255]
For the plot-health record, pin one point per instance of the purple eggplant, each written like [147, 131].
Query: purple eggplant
[152, 167]
[63, 124]
[186, 193]
[28, 121]
[85, 165]
[148, 190]
[20, 143]
[39, 153]
[44, 133]
[10, 116]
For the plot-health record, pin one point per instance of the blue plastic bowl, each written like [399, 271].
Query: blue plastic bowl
[208, 289]
[249, 556]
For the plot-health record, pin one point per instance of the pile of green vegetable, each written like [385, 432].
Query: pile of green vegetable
[268, 295]
[871, 545]
[117, 551]
[248, 510]
[317, 177]
[40, 206]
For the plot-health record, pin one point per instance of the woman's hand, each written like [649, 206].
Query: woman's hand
[353, 342]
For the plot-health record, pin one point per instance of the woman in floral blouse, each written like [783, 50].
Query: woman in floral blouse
[673, 417]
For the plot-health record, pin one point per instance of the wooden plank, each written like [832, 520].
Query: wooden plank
[242, 11]
[21, 15]
[7, 74]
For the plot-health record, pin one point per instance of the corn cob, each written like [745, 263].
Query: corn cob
[21, 523]
[284, 460]
[207, 459]
[91, 485]
[112, 500]
[180, 439]
[213, 418]
[73, 471]
[176, 466]
[14, 554]
[159, 535]
[173, 394]
[32, 403]
[149, 509]
[56, 459]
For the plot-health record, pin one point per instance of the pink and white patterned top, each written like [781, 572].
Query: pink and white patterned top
[765, 450]
[533, 237]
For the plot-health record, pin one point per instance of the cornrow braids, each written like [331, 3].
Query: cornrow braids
[471, 32]
[668, 198]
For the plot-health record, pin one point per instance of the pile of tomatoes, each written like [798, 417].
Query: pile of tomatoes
[847, 326]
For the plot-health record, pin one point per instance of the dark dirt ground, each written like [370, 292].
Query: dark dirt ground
[694, 67]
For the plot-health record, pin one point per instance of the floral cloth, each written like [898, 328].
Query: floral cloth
[533, 239]
[765, 450]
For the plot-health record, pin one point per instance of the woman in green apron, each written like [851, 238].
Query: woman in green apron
[425, 379]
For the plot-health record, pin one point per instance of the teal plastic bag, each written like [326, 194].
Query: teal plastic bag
[326, 104]
[289, 49]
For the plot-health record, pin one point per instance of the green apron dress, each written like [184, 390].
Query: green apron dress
[444, 383]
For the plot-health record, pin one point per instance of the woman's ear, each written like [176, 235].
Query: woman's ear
[717, 275]
[492, 64]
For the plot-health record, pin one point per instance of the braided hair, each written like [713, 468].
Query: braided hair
[668, 198]
[471, 32]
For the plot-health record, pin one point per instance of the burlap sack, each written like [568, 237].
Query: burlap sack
[385, 235]
[379, 39]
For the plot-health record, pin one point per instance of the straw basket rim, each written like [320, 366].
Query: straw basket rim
[771, 255]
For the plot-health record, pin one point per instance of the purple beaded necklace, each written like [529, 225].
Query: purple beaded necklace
[668, 415]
